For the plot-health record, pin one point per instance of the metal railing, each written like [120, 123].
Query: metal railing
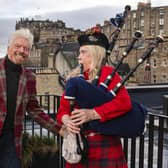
[150, 150]
[50, 104]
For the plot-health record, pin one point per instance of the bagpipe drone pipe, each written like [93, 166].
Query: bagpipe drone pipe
[88, 95]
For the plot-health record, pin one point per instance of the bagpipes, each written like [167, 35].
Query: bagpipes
[89, 95]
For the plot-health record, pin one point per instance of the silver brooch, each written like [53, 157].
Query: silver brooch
[92, 38]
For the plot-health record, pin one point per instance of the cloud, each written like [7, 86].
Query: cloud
[7, 26]
[77, 19]
[24, 8]
[83, 19]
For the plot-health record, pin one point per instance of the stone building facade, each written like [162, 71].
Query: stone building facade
[151, 21]
[55, 47]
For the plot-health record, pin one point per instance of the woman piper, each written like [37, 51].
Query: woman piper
[103, 151]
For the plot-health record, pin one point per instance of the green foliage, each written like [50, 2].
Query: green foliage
[36, 144]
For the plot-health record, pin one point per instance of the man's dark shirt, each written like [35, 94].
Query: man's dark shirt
[12, 79]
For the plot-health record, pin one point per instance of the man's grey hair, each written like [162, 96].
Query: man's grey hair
[25, 33]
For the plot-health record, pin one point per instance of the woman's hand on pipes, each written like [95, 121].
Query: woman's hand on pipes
[80, 116]
[71, 127]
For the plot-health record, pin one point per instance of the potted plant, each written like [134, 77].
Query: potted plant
[39, 152]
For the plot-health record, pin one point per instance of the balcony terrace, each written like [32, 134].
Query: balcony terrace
[150, 150]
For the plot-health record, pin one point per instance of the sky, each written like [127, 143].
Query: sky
[12, 8]
[78, 14]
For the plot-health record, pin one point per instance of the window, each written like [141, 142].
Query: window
[152, 23]
[154, 63]
[161, 21]
[134, 15]
[161, 31]
[142, 22]
[165, 49]
[142, 29]
[134, 24]
[164, 62]
[154, 78]
[161, 27]
[161, 12]
[152, 32]
[142, 13]
[164, 76]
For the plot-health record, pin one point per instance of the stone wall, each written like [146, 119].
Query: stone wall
[47, 82]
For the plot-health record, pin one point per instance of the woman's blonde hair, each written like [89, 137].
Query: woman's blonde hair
[97, 54]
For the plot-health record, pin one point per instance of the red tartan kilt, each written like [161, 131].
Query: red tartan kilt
[104, 152]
